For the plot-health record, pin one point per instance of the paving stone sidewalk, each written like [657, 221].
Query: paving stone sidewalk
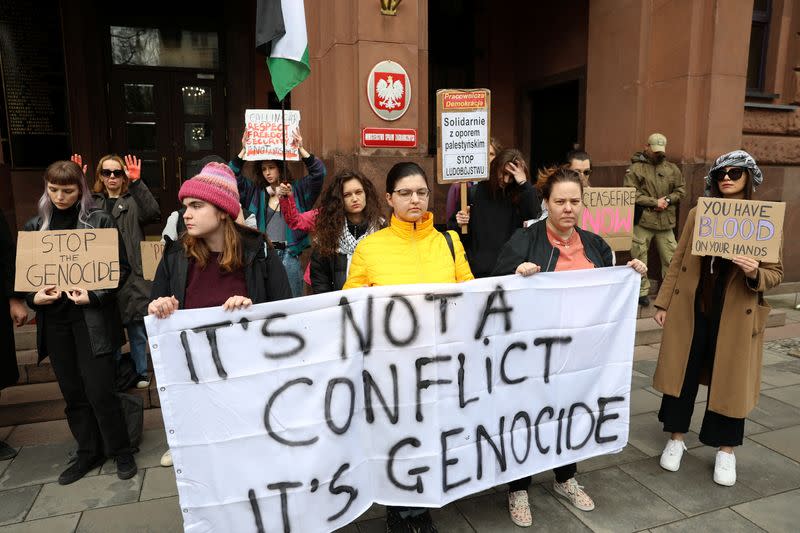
[630, 489]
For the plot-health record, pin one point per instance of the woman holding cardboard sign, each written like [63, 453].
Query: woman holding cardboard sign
[258, 183]
[119, 190]
[216, 262]
[714, 314]
[80, 330]
[555, 244]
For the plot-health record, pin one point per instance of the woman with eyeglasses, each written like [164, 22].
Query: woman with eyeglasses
[120, 192]
[555, 244]
[713, 313]
[499, 207]
[410, 250]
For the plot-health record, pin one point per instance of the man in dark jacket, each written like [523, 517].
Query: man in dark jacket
[659, 188]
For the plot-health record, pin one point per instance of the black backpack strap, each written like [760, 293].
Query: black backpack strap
[449, 240]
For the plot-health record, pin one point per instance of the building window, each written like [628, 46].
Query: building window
[759, 35]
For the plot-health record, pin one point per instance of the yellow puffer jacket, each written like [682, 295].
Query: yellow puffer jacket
[407, 253]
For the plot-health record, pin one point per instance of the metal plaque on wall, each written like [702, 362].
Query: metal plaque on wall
[35, 122]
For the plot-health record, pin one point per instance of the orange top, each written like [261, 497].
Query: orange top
[571, 255]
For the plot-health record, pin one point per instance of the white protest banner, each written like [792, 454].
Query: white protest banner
[609, 213]
[86, 258]
[727, 228]
[297, 415]
[264, 138]
[463, 125]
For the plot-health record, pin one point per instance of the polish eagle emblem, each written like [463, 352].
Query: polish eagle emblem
[389, 90]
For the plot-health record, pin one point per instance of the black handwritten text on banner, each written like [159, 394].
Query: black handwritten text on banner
[297, 415]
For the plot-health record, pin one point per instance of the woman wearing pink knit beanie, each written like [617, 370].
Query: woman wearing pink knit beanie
[216, 261]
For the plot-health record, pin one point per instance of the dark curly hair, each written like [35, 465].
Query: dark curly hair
[331, 216]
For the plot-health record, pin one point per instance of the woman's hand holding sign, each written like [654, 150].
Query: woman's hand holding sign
[78, 295]
[46, 295]
[748, 265]
[163, 307]
[528, 269]
[237, 302]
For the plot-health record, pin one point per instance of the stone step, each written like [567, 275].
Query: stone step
[648, 332]
[25, 337]
[41, 402]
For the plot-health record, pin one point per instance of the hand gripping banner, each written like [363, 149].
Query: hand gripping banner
[299, 415]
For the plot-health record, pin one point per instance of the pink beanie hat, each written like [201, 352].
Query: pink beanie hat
[216, 185]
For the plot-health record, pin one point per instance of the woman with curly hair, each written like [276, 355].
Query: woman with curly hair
[349, 210]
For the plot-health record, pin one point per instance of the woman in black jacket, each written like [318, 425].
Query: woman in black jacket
[555, 244]
[80, 330]
[216, 262]
[120, 191]
[349, 210]
[498, 207]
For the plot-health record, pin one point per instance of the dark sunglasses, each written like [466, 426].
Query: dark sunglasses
[119, 173]
[734, 174]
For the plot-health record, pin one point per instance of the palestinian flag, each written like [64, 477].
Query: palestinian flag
[281, 33]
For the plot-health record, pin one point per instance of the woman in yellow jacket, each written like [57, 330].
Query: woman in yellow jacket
[410, 250]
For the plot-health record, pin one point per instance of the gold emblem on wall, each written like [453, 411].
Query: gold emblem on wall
[389, 7]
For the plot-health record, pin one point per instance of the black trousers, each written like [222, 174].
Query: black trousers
[563, 473]
[93, 409]
[676, 413]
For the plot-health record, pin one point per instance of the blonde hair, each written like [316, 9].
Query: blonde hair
[99, 186]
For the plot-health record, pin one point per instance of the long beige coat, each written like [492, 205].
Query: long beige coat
[736, 376]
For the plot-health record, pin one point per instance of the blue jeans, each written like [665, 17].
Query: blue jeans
[137, 335]
[293, 271]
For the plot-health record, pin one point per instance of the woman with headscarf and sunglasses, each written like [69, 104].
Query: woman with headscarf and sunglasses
[713, 314]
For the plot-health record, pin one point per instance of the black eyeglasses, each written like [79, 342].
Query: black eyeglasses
[406, 194]
[735, 174]
[106, 173]
[586, 172]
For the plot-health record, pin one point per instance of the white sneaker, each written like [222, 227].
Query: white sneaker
[725, 469]
[166, 459]
[671, 456]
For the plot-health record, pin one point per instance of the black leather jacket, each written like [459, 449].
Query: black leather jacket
[532, 245]
[101, 314]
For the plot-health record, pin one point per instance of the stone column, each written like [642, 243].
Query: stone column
[347, 38]
[670, 66]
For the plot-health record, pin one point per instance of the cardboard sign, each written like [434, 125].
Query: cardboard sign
[726, 228]
[463, 123]
[608, 212]
[299, 414]
[151, 257]
[86, 258]
[264, 137]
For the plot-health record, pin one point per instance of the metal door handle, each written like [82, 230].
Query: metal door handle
[179, 173]
[163, 172]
